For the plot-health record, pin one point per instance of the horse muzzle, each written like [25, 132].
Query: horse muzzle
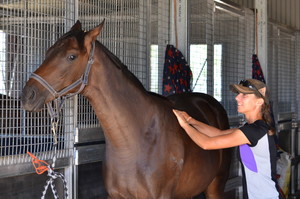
[32, 99]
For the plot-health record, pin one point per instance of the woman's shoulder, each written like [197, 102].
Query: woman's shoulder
[257, 125]
[255, 130]
[261, 123]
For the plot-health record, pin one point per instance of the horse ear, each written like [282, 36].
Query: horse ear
[76, 26]
[92, 34]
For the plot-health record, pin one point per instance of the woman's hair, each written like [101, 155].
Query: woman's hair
[266, 113]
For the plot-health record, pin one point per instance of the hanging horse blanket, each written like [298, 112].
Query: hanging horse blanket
[257, 72]
[177, 75]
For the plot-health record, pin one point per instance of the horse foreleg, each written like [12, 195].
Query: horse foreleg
[215, 190]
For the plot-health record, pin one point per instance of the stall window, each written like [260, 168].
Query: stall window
[154, 69]
[198, 64]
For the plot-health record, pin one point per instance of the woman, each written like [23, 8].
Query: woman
[257, 150]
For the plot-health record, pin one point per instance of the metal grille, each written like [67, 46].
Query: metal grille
[124, 33]
[282, 70]
[28, 29]
[297, 83]
[273, 64]
[229, 31]
[286, 73]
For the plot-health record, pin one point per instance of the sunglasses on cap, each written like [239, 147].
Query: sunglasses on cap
[247, 84]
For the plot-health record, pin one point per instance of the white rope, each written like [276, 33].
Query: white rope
[53, 175]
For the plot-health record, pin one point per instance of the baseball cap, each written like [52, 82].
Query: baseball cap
[250, 86]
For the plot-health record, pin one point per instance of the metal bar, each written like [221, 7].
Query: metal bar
[26, 168]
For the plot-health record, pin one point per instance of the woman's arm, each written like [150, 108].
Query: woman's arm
[206, 129]
[220, 140]
[200, 126]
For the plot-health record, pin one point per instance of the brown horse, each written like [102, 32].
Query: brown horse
[148, 155]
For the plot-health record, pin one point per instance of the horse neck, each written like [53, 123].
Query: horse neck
[117, 101]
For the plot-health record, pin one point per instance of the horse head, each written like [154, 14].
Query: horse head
[65, 69]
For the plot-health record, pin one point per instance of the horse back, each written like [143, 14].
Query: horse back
[202, 107]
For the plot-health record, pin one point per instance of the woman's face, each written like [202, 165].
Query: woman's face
[246, 102]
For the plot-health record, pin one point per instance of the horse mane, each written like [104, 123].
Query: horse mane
[127, 72]
[119, 64]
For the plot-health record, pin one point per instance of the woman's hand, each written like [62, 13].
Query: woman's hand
[182, 117]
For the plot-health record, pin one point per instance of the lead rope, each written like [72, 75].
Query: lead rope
[42, 166]
[54, 114]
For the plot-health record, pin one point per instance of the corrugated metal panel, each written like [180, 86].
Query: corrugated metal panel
[283, 12]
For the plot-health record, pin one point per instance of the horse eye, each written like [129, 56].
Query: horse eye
[72, 57]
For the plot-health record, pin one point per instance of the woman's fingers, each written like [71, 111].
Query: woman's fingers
[180, 117]
[182, 114]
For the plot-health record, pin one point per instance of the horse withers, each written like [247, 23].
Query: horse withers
[148, 155]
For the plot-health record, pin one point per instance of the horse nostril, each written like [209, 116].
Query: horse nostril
[32, 95]
[28, 94]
